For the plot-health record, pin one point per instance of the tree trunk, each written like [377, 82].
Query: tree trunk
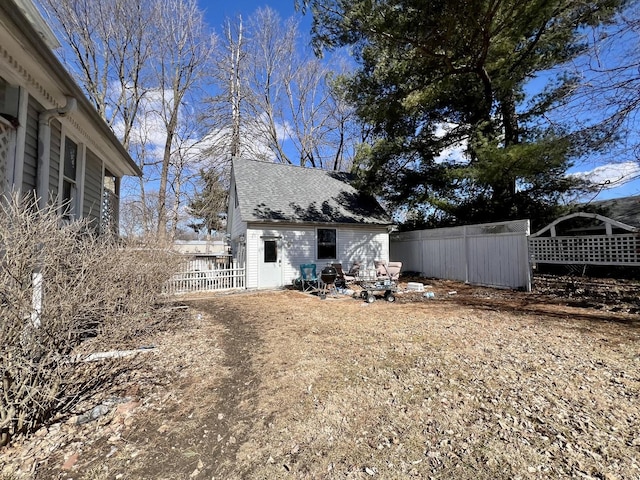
[504, 192]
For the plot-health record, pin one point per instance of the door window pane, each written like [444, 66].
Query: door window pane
[270, 251]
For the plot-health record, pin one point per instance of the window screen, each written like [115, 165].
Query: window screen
[70, 157]
[69, 178]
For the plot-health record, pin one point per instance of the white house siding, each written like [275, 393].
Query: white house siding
[92, 189]
[31, 147]
[253, 248]
[54, 166]
[298, 243]
[251, 259]
[363, 244]
[6, 135]
[237, 227]
[489, 254]
[299, 247]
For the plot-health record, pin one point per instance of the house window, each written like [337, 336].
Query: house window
[326, 243]
[69, 185]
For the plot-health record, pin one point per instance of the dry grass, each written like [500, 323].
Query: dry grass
[394, 390]
[284, 385]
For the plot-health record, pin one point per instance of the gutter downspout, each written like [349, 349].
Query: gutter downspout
[44, 148]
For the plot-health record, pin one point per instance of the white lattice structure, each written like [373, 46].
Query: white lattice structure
[623, 249]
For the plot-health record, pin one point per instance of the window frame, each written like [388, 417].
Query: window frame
[73, 210]
[270, 255]
[333, 245]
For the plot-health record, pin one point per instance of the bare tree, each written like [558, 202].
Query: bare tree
[232, 130]
[187, 161]
[271, 55]
[278, 102]
[110, 48]
[184, 49]
[142, 64]
[604, 98]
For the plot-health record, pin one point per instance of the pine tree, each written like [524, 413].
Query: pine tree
[443, 85]
[209, 203]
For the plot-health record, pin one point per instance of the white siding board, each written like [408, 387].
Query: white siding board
[252, 239]
[299, 247]
[365, 245]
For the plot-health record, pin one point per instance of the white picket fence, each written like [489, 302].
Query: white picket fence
[231, 277]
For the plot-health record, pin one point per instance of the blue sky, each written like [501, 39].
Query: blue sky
[216, 12]
[616, 169]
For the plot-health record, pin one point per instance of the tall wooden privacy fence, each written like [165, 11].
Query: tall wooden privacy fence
[492, 254]
[193, 280]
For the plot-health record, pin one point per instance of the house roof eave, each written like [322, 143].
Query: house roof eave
[334, 224]
[64, 82]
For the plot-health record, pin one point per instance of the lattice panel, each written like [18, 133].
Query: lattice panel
[109, 220]
[588, 250]
[516, 226]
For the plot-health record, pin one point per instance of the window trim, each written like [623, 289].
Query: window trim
[78, 181]
[335, 244]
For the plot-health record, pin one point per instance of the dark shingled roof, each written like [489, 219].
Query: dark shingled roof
[270, 192]
[624, 209]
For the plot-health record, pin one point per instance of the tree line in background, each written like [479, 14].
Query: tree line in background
[434, 108]
[185, 100]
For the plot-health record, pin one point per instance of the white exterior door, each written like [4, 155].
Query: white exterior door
[270, 263]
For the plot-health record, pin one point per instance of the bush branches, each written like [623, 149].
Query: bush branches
[60, 285]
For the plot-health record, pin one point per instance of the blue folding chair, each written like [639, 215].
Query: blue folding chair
[309, 277]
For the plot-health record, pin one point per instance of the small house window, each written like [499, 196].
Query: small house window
[69, 188]
[110, 202]
[326, 243]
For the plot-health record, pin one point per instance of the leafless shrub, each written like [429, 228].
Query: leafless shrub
[60, 284]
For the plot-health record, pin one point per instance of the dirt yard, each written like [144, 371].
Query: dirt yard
[474, 383]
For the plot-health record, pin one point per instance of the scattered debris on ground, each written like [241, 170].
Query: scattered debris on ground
[468, 382]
